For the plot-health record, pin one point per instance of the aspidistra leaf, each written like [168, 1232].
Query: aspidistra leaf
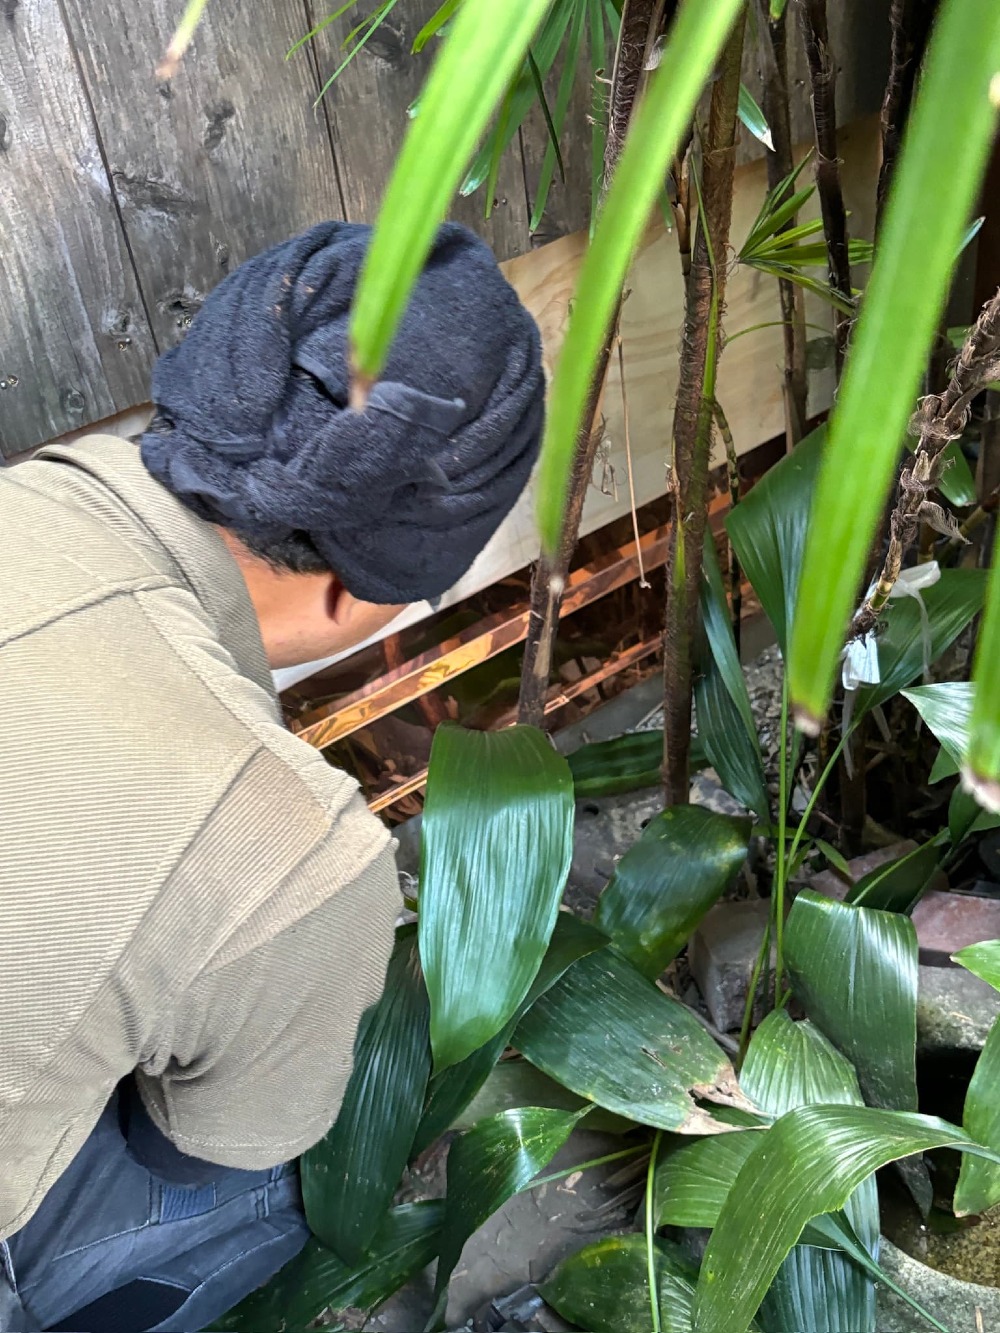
[604, 1287]
[667, 881]
[855, 971]
[658, 1056]
[450, 1091]
[405, 1243]
[350, 1176]
[486, 1166]
[978, 1185]
[768, 529]
[496, 845]
[807, 1164]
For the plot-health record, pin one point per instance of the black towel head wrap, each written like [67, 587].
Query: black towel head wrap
[253, 430]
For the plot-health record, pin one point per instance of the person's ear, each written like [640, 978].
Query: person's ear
[345, 609]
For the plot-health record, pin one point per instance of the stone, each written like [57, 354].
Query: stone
[947, 922]
[831, 885]
[957, 1305]
[722, 953]
[955, 1010]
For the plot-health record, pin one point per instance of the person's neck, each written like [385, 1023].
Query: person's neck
[304, 617]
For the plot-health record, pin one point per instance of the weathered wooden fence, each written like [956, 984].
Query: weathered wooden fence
[123, 200]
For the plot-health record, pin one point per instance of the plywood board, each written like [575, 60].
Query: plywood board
[75, 345]
[750, 370]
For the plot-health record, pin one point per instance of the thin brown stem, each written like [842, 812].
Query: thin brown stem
[823, 80]
[774, 79]
[640, 24]
[910, 22]
[693, 413]
[733, 475]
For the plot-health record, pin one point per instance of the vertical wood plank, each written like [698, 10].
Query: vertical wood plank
[859, 35]
[226, 159]
[567, 207]
[74, 342]
[367, 108]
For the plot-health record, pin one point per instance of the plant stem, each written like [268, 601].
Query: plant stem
[654, 1287]
[784, 860]
[640, 24]
[774, 51]
[705, 298]
[781, 872]
[821, 781]
[823, 77]
[584, 1166]
[762, 953]
[910, 21]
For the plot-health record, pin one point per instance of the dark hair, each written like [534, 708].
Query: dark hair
[295, 553]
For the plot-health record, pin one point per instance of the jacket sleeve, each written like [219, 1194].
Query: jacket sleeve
[261, 1046]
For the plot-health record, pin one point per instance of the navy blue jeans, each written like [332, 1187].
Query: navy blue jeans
[135, 1236]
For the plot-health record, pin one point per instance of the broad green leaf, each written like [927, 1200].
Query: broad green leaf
[957, 484]
[753, 118]
[486, 1166]
[350, 1176]
[981, 770]
[484, 47]
[979, 1181]
[790, 1065]
[695, 38]
[604, 1287]
[777, 8]
[693, 1181]
[450, 1091]
[768, 529]
[625, 763]
[855, 971]
[728, 748]
[966, 816]
[667, 881]
[944, 766]
[405, 1243]
[726, 726]
[899, 885]
[909, 282]
[515, 1082]
[906, 648]
[611, 1036]
[496, 845]
[807, 1164]
[982, 960]
[946, 708]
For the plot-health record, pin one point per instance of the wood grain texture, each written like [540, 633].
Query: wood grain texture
[74, 342]
[226, 159]
[367, 108]
[859, 37]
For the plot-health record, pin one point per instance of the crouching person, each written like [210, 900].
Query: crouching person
[197, 909]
